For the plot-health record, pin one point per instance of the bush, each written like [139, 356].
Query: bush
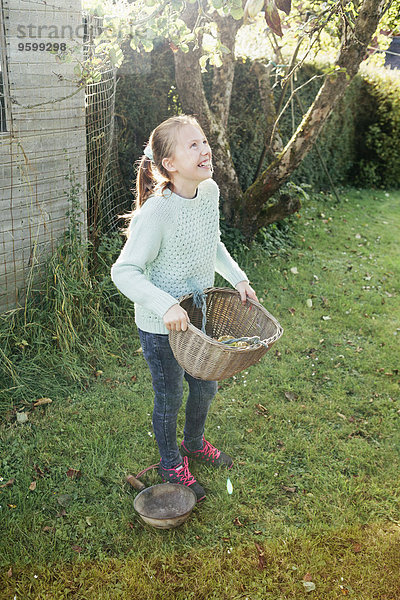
[379, 150]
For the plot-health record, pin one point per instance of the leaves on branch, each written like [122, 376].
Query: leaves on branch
[284, 5]
[272, 17]
[251, 9]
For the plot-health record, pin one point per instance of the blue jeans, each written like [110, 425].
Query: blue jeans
[167, 377]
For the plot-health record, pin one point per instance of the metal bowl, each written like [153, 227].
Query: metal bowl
[165, 505]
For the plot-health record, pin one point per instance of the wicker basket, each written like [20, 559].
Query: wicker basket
[205, 358]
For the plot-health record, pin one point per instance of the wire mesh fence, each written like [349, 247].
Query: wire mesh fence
[107, 196]
[56, 135]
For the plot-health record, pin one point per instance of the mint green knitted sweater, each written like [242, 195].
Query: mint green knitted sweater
[173, 242]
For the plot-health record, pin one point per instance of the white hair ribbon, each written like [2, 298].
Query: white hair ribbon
[148, 152]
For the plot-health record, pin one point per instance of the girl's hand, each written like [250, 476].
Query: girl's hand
[176, 318]
[245, 290]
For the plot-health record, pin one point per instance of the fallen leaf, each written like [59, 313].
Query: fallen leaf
[32, 487]
[22, 417]
[294, 270]
[134, 378]
[357, 548]
[261, 556]
[98, 373]
[62, 513]
[291, 396]
[341, 416]
[47, 528]
[64, 499]
[261, 408]
[139, 351]
[307, 577]
[292, 311]
[292, 490]
[325, 318]
[76, 548]
[88, 521]
[9, 572]
[39, 470]
[73, 473]
[42, 401]
[237, 522]
[309, 302]
[9, 483]
[309, 586]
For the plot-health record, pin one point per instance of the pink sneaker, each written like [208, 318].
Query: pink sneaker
[209, 455]
[181, 474]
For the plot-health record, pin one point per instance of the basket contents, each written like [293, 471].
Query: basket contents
[243, 342]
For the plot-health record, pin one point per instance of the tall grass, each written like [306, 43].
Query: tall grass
[66, 322]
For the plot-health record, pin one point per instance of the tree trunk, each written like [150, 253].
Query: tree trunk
[263, 74]
[251, 212]
[212, 118]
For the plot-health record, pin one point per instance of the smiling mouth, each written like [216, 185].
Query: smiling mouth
[206, 164]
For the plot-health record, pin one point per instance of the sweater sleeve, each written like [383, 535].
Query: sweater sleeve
[224, 263]
[227, 267]
[141, 248]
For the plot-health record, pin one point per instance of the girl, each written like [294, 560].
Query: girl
[174, 248]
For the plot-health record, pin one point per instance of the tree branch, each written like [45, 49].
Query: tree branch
[351, 54]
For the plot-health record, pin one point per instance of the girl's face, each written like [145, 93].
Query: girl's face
[192, 157]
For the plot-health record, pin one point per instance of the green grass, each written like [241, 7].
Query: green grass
[316, 484]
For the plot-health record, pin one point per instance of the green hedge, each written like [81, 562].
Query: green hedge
[359, 143]
[378, 124]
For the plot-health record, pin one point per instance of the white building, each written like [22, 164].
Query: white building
[42, 134]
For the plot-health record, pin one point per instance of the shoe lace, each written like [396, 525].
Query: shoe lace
[210, 450]
[185, 475]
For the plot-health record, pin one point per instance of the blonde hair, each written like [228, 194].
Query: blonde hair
[152, 177]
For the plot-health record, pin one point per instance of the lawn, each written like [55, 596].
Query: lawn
[313, 428]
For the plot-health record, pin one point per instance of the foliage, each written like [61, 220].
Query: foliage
[144, 98]
[379, 153]
[143, 23]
